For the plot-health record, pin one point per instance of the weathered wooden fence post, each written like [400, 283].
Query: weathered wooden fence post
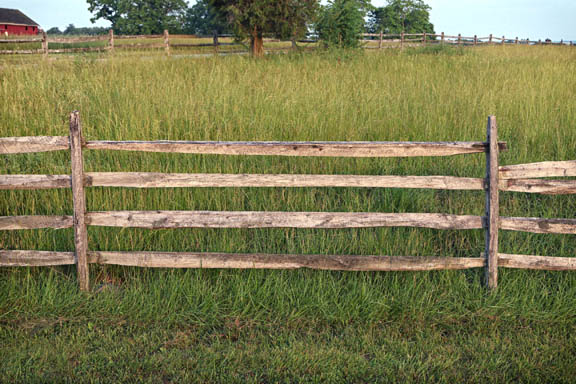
[44, 44]
[424, 38]
[166, 42]
[442, 38]
[111, 41]
[492, 203]
[380, 41]
[79, 202]
[459, 38]
[475, 40]
[402, 39]
[216, 43]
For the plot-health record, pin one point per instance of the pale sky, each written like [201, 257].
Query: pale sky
[534, 19]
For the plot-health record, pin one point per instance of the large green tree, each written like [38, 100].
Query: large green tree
[341, 22]
[254, 18]
[140, 16]
[408, 16]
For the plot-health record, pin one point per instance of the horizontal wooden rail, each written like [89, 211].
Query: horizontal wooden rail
[183, 180]
[35, 258]
[206, 260]
[183, 45]
[298, 148]
[549, 263]
[21, 52]
[76, 50]
[30, 144]
[283, 261]
[15, 41]
[155, 180]
[547, 187]
[138, 36]
[18, 182]
[140, 45]
[72, 40]
[35, 222]
[263, 219]
[538, 225]
[542, 169]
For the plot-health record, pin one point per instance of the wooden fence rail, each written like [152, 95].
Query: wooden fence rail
[515, 178]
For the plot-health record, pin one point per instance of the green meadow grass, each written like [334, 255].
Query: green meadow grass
[291, 326]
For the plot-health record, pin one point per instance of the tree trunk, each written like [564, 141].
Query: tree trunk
[256, 43]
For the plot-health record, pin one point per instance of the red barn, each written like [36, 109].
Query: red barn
[14, 22]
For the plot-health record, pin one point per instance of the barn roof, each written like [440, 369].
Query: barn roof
[14, 16]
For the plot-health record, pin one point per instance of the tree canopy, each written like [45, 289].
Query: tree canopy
[254, 18]
[140, 16]
[408, 16]
[204, 19]
[341, 22]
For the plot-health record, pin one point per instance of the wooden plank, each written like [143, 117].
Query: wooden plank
[262, 219]
[328, 149]
[76, 50]
[283, 261]
[29, 144]
[15, 41]
[538, 262]
[542, 169]
[21, 51]
[547, 187]
[538, 225]
[34, 181]
[82, 39]
[172, 180]
[79, 201]
[492, 204]
[141, 45]
[35, 258]
[139, 36]
[185, 180]
[35, 222]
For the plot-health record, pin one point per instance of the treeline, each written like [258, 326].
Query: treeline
[338, 23]
[72, 30]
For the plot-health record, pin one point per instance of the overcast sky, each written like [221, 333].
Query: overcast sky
[535, 19]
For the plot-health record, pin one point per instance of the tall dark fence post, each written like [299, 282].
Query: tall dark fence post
[79, 200]
[44, 44]
[492, 204]
[215, 42]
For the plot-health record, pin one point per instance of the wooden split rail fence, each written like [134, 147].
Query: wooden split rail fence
[419, 39]
[519, 178]
[110, 40]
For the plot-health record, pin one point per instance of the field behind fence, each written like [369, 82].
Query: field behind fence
[517, 178]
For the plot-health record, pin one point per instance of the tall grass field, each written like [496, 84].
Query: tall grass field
[263, 326]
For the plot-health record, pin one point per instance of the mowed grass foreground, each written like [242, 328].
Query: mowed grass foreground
[291, 326]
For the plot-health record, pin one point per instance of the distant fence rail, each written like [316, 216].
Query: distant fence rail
[518, 178]
[167, 42]
[400, 40]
